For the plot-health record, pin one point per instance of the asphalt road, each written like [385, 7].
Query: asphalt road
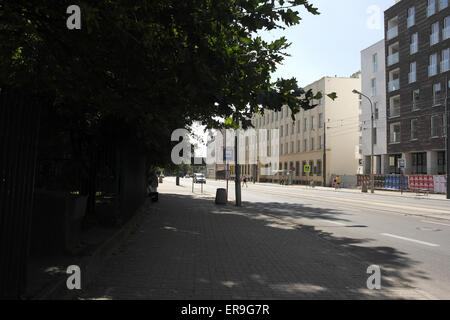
[409, 235]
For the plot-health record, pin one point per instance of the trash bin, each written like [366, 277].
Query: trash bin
[364, 188]
[178, 181]
[221, 196]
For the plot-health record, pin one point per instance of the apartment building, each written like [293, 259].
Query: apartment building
[417, 64]
[302, 140]
[373, 85]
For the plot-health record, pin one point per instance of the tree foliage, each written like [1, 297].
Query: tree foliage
[152, 65]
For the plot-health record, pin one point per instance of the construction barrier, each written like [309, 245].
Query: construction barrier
[440, 184]
[394, 182]
[428, 183]
[421, 182]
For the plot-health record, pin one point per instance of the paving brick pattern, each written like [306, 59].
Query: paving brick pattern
[189, 248]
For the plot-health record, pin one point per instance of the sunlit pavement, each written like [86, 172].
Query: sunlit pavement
[189, 248]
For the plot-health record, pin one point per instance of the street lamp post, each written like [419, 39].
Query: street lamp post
[372, 181]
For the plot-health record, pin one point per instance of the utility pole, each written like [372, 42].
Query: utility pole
[238, 172]
[372, 180]
[324, 183]
[447, 140]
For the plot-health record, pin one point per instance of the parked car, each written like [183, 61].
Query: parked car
[199, 178]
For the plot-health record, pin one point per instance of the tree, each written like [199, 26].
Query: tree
[149, 67]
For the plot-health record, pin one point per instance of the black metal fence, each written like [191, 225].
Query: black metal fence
[19, 129]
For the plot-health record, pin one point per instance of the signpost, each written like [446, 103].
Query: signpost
[307, 169]
[401, 166]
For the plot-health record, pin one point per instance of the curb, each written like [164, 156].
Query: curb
[91, 265]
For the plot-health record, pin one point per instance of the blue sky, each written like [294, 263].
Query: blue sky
[330, 44]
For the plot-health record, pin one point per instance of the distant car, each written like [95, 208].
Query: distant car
[199, 178]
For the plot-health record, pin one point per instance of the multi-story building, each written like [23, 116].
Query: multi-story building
[373, 85]
[302, 140]
[417, 64]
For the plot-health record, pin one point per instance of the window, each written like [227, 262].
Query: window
[313, 145]
[374, 135]
[312, 122]
[311, 165]
[287, 130]
[292, 147]
[320, 120]
[395, 106]
[374, 87]
[411, 17]
[303, 168]
[412, 72]
[431, 9]
[445, 58]
[443, 4]
[281, 131]
[446, 31]
[435, 126]
[293, 129]
[377, 111]
[437, 93]
[298, 126]
[299, 149]
[434, 37]
[432, 68]
[305, 145]
[395, 133]
[415, 99]
[276, 116]
[281, 149]
[413, 129]
[441, 163]
[375, 62]
[320, 143]
[414, 47]
[297, 168]
[305, 124]
[319, 167]
[286, 148]
[419, 163]
[281, 113]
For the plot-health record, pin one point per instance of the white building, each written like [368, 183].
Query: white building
[373, 85]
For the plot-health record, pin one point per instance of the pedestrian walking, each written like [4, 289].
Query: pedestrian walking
[244, 181]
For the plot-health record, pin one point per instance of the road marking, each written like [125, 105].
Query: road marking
[334, 222]
[442, 224]
[409, 239]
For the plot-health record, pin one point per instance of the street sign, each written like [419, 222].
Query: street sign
[401, 163]
[307, 169]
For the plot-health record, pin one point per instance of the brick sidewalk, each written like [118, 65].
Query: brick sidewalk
[188, 248]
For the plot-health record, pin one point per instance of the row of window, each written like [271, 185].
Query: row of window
[288, 148]
[432, 7]
[273, 117]
[437, 100]
[285, 132]
[437, 129]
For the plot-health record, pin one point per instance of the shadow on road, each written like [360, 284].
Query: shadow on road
[189, 248]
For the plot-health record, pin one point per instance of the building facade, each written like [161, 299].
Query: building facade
[301, 141]
[417, 64]
[373, 85]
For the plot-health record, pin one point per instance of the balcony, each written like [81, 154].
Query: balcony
[434, 38]
[394, 85]
[393, 59]
[414, 47]
[446, 33]
[445, 65]
[392, 33]
[432, 70]
[412, 77]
